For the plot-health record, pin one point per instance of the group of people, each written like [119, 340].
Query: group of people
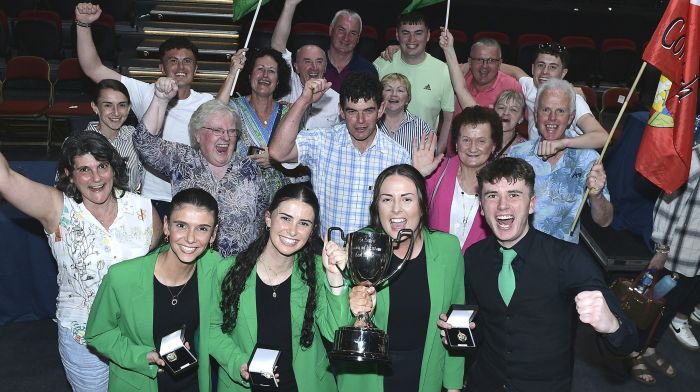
[210, 216]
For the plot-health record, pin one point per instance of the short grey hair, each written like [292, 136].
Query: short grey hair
[200, 116]
[560, 85]
[350, 14]
[490, 42]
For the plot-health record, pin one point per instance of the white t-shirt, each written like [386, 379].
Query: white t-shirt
[530, 92]
[174, 129]
[323, 113]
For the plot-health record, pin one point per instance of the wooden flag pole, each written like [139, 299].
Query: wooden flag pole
[447, 17]
[607, 142]
[247, 41]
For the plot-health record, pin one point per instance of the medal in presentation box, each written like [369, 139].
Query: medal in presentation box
[173, 351]
[262, 366]
[459, 317]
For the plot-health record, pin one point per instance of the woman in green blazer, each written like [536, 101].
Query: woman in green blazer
[409, 305]
[144, 299]
[276, 293]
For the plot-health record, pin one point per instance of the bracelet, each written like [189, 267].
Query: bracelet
[662, 248]
[336, 287]
[82, 24]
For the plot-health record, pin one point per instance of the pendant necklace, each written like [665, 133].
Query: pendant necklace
[464, 208]
[269, 274]
[173, 301]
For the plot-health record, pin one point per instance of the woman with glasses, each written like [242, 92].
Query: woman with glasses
[210, 164]
[264, 79]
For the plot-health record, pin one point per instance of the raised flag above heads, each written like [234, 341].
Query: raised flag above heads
[416, 4]
[242, 8]
[674, 49]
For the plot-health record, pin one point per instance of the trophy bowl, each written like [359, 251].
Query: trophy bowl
[369, 258]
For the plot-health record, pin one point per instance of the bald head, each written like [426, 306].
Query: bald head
[310, 62]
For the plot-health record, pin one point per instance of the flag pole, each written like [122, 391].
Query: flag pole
[447, 17]
[607, 142]
[247, 41]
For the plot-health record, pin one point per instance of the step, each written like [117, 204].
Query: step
[209, 49]
[190, 30]
[193, 13]
[149, 68]
[228, 2]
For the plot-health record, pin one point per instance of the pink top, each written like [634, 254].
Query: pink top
[440, 207]
[486, 98]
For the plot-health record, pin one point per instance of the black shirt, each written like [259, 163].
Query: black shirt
[168, 318]
[275, 327]
[528, 345]
[409, 313]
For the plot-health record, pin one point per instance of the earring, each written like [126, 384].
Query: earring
[167, 238]
[267, 228]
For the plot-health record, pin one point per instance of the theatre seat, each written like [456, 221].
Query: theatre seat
[613, 99]
[460, 44]
[38, 33]
[262, 34]
[104, 36]
[71, 94]
[527, 47]
[591, 97]
[309, 34]
[583, 59]
[368, 47]
[619, 61]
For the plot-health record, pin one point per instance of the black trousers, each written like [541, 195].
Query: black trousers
[682, 299]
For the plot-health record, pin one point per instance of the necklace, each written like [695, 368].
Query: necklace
[269, 274]
[464, 208]
[173, 301]
[108, 214]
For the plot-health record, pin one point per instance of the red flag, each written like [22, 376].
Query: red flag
[664, 153]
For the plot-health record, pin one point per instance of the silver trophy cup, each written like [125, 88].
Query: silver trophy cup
[369, 258]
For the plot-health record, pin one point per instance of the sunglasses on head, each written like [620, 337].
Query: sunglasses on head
[553, 46]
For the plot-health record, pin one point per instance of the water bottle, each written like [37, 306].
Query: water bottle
[645, 282]
[666, 284]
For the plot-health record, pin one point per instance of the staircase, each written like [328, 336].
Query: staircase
[207, 23]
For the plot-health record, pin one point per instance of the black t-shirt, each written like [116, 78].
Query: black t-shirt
[275, 327]
[168, 318]
[409, 311]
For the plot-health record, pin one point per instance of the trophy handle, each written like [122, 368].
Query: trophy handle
[344, 272]
[402, 233]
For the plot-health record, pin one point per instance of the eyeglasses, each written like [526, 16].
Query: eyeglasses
[220, 132]
[484, 61]
[555, 47]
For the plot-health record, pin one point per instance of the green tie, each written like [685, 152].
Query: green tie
[506, 278]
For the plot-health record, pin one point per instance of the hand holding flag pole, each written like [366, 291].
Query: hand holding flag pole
[607, 142]
[247, 41]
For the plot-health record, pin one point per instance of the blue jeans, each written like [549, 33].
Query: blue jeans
[85, 371]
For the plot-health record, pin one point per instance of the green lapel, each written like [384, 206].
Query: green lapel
[438, 296]
[247, 307]
[297, 305]
[142, 299]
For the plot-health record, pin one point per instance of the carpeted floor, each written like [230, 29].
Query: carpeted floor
[29, 361]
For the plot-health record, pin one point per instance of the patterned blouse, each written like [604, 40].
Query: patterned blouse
[84, 250]
[255, 133]
[241, 193]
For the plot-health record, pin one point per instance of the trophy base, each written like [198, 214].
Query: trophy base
[360, 345]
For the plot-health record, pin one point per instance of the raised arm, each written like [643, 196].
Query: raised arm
[41, 202]
[282, 147]
[513, 71]
[237, 63]
[85, 14]
[165, 89]
[458, 83]
[284, 25]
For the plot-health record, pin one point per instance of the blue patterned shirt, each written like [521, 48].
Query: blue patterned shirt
[559, 189]
[343, 177]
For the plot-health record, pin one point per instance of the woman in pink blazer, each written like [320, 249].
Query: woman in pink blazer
[453, 202]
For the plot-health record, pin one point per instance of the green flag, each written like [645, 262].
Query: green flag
[415, 4]
[242, 8]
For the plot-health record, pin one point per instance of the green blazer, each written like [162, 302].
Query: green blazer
[446, 284]
[120, 325]
[310, 365]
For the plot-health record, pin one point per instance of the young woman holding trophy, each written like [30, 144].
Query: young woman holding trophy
[408, 306]
[277, 294]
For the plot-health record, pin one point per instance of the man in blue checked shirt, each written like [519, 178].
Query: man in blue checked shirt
[561, 179]
[346, 159]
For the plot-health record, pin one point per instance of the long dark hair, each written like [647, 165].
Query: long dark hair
[99, 147]
[234, 282]
[412, 174]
